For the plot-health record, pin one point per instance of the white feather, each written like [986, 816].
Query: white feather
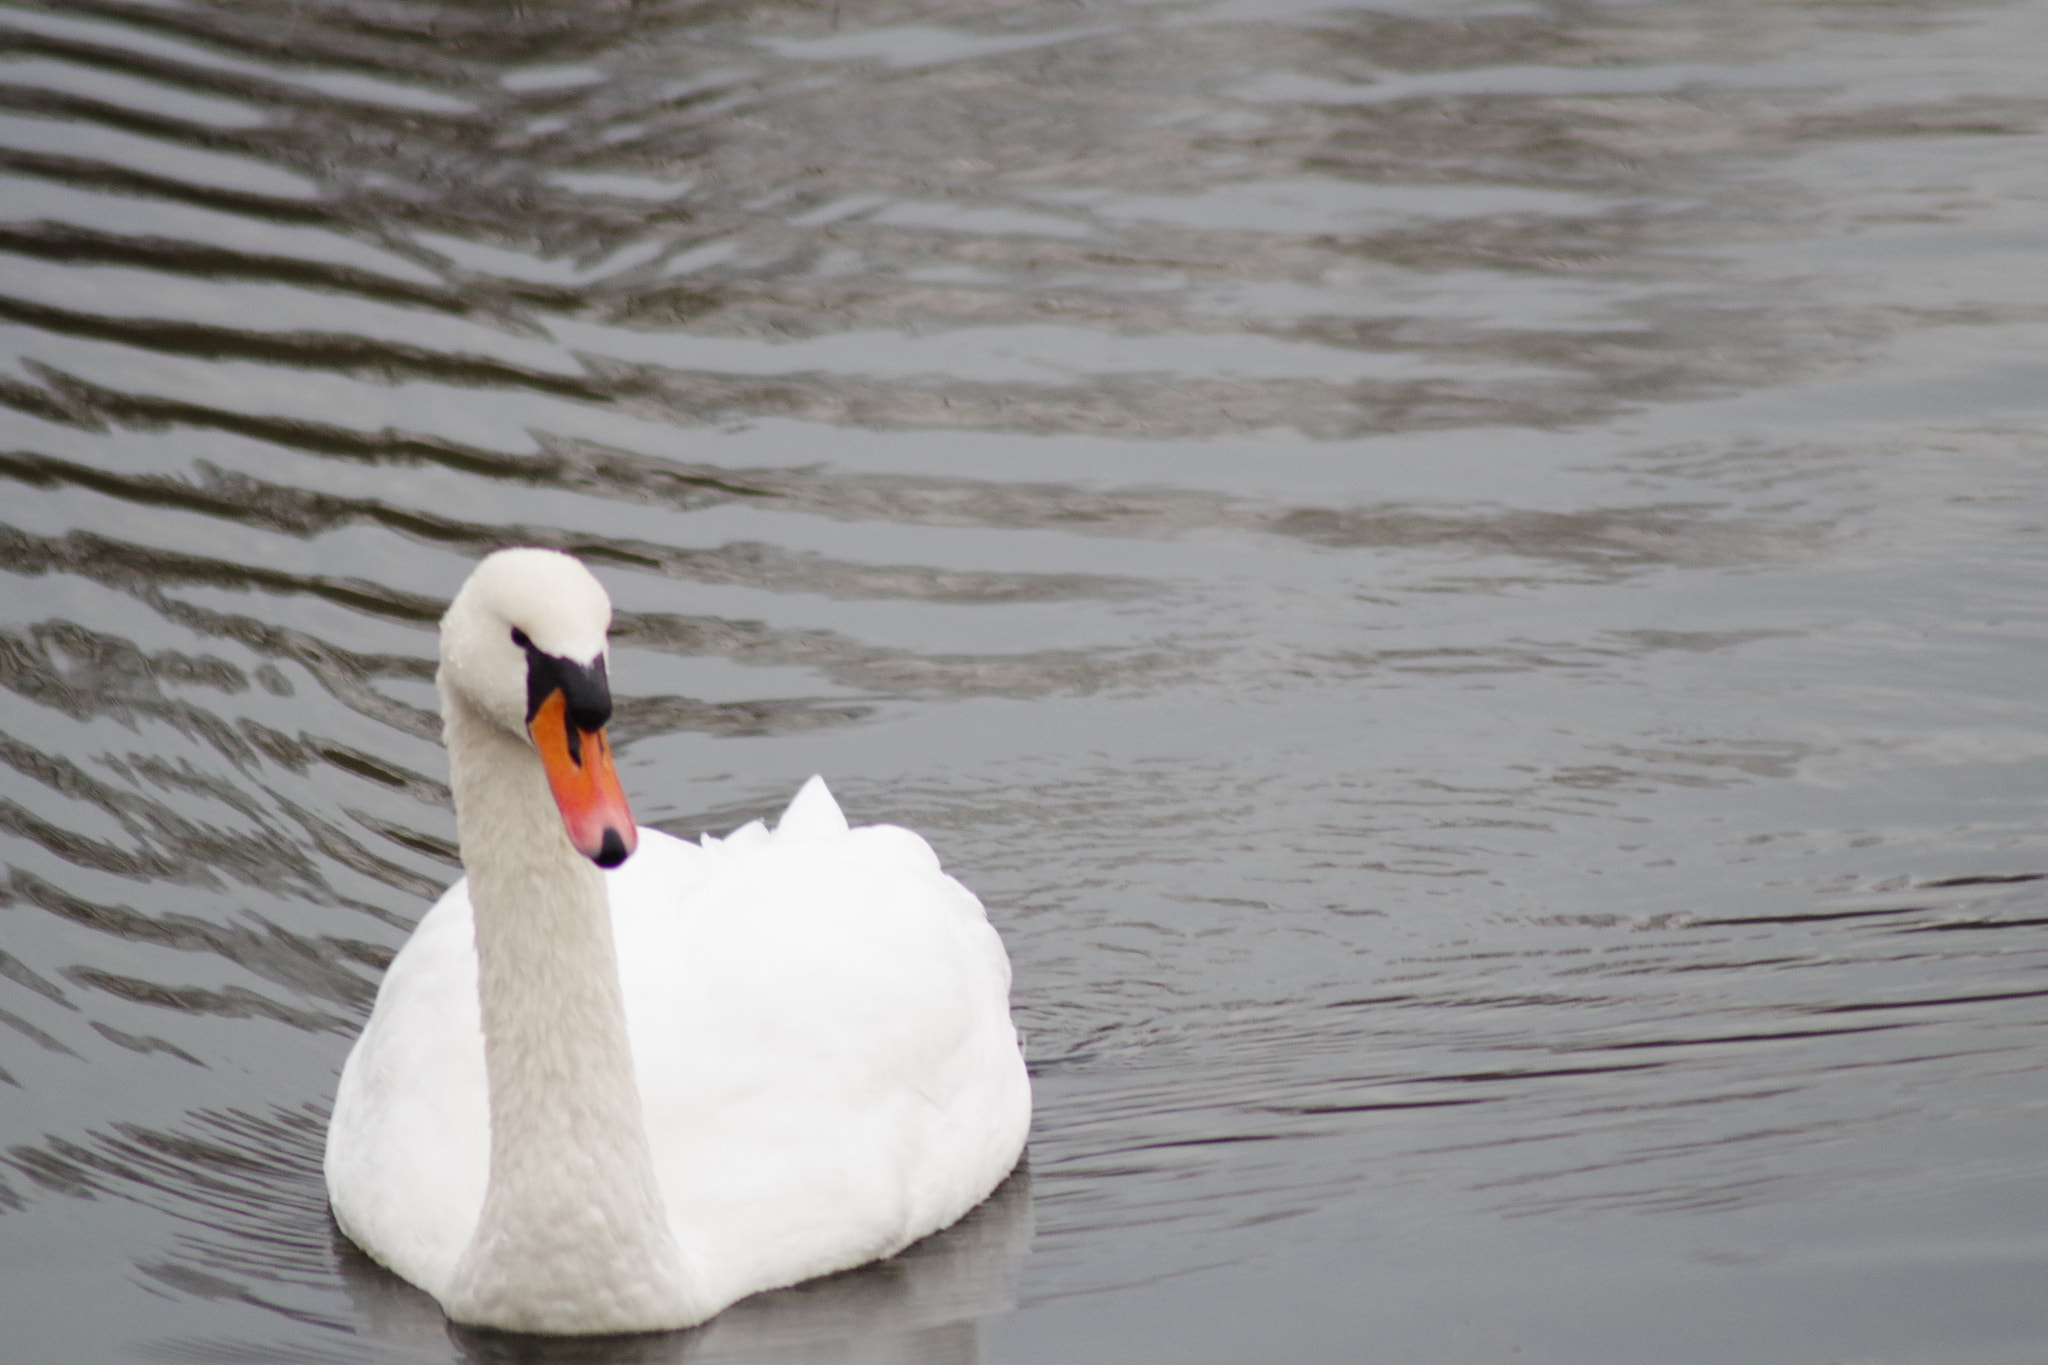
[820, 1034]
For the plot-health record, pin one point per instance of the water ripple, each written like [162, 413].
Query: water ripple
[1464, 584]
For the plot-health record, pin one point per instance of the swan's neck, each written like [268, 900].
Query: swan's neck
[573, 1236]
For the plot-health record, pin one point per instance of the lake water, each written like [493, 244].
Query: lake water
[1465, 581]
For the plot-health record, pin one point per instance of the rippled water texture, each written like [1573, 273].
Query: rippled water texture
[1464, 579]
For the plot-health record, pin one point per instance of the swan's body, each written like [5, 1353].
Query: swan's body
[714, 1070]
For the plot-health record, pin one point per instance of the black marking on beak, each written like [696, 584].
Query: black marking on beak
[613, 851]
[585, 689]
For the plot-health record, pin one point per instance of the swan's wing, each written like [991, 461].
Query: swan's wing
[825, 1052]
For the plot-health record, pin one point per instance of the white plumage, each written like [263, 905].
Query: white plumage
[820, 1039]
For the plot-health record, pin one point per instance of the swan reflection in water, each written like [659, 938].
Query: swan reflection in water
[922, 1305]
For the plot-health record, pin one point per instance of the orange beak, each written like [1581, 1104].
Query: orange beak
[586, 786]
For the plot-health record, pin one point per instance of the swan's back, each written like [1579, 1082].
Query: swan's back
[820, 1029]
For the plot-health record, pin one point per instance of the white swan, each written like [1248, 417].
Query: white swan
[617, 1101]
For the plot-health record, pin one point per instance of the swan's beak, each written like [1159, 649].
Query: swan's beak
[586, 786]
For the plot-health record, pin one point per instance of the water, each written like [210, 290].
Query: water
[1464, 580]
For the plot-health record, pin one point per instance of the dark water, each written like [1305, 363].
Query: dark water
[1465, 580]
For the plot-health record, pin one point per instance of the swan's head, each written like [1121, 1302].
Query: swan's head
[524, 645]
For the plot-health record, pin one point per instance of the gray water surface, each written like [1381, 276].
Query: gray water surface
[1465, 580]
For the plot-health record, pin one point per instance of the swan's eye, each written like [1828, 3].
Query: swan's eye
[519, 638]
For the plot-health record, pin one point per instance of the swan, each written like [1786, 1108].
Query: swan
[615, 1080]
